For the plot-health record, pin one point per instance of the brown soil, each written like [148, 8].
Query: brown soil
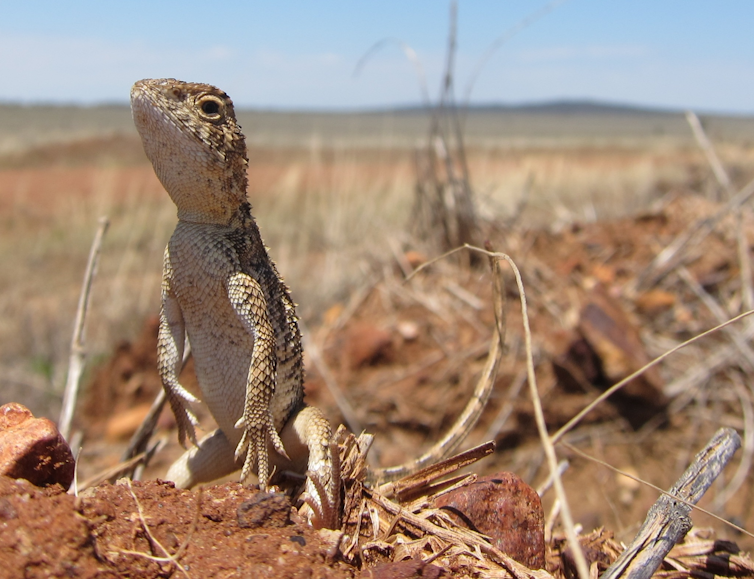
[117, 531]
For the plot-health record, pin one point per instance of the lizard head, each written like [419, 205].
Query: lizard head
[191, 136]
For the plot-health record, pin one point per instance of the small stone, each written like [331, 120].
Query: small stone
[506, 509]
[415, 258]
[264, 509]
[413, 568]
[33, 448]
[7, 510]
[627, 487]
[408, 330]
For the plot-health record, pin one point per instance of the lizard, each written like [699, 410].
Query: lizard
[222, 290]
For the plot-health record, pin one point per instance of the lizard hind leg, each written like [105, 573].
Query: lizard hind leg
[306, 437]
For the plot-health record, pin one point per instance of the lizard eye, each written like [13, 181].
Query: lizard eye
[211, 107]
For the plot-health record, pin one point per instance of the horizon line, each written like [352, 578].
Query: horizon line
[584, 105]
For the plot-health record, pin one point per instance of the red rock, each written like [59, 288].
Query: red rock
[33, 449]
[506, 509]
[615, 337]
[366, 345]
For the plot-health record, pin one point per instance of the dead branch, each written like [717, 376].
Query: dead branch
[408, 486]
[709, 152]
[78, 353]
[547, 442]
[444, 207]
[140, 439]
[667, 521]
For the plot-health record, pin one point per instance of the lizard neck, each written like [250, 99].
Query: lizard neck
[209, 199]
[221, 213]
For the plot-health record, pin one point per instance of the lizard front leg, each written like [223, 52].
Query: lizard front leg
[248, 301]
[170, 344]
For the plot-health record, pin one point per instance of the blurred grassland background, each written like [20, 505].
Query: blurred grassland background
[332, 192]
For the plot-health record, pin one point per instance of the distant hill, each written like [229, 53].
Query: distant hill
[565, 122]
[582, 107]
[555, 107]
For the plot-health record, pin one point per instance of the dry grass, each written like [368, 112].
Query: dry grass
[330, 211]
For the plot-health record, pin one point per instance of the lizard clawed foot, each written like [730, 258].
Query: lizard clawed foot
[187, 421]
[179, 399]
[321, 509]
[253, 447]
[323, 484]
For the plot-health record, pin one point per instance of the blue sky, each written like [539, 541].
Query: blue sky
[295, 54]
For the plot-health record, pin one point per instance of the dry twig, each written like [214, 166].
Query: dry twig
[667, 521]
[168, 557]
[724, 180]
[140, 439]
[78, 353]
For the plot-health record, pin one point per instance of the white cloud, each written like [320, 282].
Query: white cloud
[220, 52]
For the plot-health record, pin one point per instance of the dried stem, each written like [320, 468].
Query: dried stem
[78, 353]
[458, 432]
[140, 439]
[747, 290]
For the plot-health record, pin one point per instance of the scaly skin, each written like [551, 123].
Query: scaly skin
[222, 290]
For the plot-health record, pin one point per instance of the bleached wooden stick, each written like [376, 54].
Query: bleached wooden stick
[668, 520]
